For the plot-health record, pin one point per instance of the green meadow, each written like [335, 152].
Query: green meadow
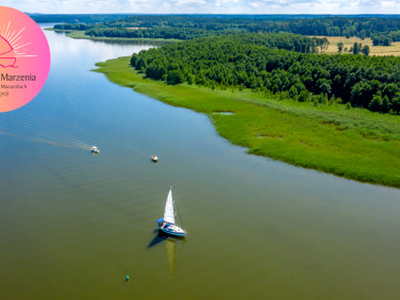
[353, 143]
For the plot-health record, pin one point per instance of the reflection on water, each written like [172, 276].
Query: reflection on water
[170, 243]
[170, 249]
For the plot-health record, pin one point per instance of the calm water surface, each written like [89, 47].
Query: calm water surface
[73, 224]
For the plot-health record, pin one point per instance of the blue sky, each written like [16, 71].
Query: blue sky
[208, 6]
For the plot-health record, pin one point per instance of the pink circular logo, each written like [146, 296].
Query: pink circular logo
[24, 59]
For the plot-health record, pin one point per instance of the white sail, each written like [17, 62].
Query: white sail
[169, 215]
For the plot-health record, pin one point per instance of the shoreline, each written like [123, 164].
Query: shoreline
[292, 132]
[79, 34]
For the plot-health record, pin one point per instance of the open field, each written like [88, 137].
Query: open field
[394, 49]
[355, 143]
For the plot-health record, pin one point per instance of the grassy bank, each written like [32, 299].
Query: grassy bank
[79, 34]
[355, 143]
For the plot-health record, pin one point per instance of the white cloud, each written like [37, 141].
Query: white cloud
[208, 6]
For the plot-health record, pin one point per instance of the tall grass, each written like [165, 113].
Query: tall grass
[355, 143]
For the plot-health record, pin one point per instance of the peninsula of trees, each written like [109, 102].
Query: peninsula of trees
[286, 100]
[283, 64]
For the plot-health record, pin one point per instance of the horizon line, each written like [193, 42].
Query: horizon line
[215, 14]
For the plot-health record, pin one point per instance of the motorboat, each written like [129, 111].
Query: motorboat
[95, 150]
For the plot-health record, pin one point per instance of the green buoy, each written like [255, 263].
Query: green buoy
[127, 277]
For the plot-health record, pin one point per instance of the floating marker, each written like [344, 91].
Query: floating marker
[127, 277]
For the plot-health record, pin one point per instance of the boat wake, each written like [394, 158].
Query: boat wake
[60, 124]
[48, 142]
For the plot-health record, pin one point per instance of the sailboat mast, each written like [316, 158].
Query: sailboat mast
[179, 214]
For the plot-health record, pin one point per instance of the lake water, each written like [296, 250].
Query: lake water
[74, 224]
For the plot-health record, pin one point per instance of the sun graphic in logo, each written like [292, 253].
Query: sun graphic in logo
[12, 45]
[24, 59]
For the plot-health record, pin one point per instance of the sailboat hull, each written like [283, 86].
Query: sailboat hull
[174, 233]
[170, 228]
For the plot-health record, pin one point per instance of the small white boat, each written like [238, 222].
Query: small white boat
[95, 150]
[154, 158]
[167, 224]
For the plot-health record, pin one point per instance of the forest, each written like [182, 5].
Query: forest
[283, 64]
[74, 18]
[359, 26]
[266, 54]
[73, 26]
[382, 30]
[165, 33]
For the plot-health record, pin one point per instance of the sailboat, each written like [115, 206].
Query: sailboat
[167, 224]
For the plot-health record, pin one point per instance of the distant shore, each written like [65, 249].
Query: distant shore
[356, 144]
[80, 34]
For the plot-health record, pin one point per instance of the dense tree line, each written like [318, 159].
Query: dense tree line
[73, 18]
[386, 38]
[264, 62]
[306, 25]
[207, 22]
[341, 26]
[382, 30]
[165, 33]
[73, 26]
